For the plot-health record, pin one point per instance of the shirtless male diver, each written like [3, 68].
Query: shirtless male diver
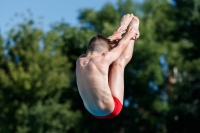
[100, 72]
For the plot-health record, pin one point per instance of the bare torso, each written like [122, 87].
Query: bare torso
[92, 82]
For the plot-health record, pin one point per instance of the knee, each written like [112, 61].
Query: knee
[119, 63]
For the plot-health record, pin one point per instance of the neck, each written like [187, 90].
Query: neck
[94, 53]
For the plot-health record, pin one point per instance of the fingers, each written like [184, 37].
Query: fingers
[124, 31]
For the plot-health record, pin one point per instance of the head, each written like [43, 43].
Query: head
[99, 44]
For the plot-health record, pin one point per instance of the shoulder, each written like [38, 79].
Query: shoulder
[100, 60]
[110, 56]
[106, 56]
[80, 57]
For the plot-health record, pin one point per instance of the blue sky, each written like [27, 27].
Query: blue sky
[45, 11]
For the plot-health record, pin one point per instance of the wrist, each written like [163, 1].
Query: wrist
[114, 36]
[121, 29]
[111, 38]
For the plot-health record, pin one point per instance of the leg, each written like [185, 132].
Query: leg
[117, 35]
[116, 80]
[128, 52]
[116, 71]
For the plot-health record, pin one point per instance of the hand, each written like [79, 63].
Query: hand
[117, 35]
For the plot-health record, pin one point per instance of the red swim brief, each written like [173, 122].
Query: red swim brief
[116, 111]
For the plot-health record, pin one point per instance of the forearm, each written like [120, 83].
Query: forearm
[124, 42]
[117, 35]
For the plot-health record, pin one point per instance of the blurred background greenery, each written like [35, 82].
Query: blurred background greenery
[38, 92]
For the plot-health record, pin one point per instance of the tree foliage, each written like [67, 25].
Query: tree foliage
[38, 91]
[34, 74]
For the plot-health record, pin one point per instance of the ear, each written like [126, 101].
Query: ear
[104, 52]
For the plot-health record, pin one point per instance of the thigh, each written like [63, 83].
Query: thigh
[116, 80]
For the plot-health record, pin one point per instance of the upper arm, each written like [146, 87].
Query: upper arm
[115, 53]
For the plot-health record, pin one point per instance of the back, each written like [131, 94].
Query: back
[92, 82]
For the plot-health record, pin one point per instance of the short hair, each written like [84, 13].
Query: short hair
[99, 43]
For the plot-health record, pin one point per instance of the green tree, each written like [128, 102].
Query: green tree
[185, 93]
[33, 76]
[38, 91]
